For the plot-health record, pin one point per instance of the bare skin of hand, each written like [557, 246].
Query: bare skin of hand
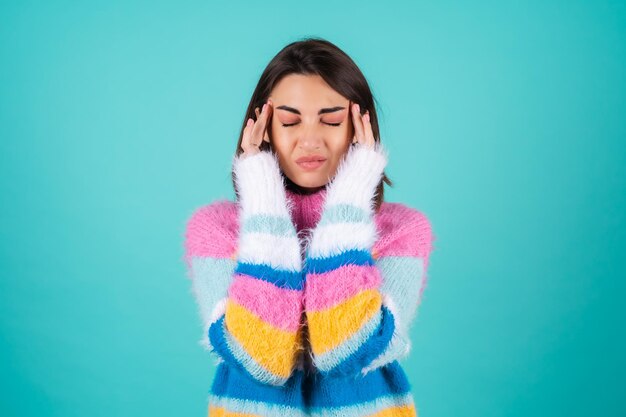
[256, 132]
[362, 127]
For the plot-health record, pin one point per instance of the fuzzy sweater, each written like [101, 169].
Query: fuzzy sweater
[307, 300]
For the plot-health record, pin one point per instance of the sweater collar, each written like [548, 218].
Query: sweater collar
[306, 209]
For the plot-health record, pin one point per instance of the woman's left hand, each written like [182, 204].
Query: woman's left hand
[362, 126]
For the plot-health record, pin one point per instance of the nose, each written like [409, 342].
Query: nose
[310, 139]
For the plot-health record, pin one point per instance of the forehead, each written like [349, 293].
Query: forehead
[306, 93]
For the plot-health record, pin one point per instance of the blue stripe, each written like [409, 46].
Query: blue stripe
[368, 351]
[310, 391]
[265, 223]
[350, 257]
[238, 354]
[254, 407]
[220, 345]
[349, 390]
[233, 381]
[283, 279]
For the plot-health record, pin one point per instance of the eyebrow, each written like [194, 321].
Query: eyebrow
[322, 111]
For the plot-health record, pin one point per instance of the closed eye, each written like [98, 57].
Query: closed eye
[329, 124]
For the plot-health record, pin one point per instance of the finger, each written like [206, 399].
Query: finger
[270, 111]
[264, 122]
[245, 138]
[358, 124]
[369, 133]
[258, 130]
[256, 112]
[350, 113]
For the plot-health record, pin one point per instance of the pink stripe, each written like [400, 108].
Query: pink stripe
[277, 306]
[212, 231]
[331, 288]
[404, 231]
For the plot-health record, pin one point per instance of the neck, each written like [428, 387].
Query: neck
[306, 208]
[298, 189]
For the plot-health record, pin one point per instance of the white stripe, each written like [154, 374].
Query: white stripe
[357, 176]
[332, 239]
[280, 252]
[260, 185]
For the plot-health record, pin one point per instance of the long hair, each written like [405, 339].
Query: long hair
[315, 56]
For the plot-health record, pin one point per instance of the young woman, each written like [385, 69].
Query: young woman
[307, 283]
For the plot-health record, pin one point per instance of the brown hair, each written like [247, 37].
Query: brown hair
[315, 56]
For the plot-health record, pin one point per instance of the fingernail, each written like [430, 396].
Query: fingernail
[249, 122]
[264, 106]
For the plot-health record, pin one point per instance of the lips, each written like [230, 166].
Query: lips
[310, 162]
[310, 158]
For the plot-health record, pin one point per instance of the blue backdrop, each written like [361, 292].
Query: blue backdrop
[505, 126]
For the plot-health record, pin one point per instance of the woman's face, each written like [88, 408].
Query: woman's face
[309, 119]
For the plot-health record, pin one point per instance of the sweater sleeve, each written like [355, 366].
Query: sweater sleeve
[351, 320]
[402, 257]
[254, 295]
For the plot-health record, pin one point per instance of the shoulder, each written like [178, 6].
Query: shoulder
[211, 230]
[403, 231]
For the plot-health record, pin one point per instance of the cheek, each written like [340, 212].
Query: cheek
[284, 139]
[279, 136]
[339, 139]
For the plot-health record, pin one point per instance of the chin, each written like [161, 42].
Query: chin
[310, 184]
[313, 181]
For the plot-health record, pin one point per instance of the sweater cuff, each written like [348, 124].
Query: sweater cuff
[260, 185]
[358, 176]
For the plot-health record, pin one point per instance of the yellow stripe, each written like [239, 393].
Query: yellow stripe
[399, 411]
[222, 412]
[329, 328]
[274, 349]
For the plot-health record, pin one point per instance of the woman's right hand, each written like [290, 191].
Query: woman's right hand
[255, 132]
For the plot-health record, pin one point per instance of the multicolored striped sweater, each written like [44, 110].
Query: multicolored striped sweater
[306, 300]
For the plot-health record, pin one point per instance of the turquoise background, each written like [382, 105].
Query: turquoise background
[505, 125]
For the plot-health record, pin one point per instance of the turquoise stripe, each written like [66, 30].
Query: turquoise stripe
[272, 225]
[401, 280]
[365, 409]
[344, 213]
[211, 279]
[256, 408]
